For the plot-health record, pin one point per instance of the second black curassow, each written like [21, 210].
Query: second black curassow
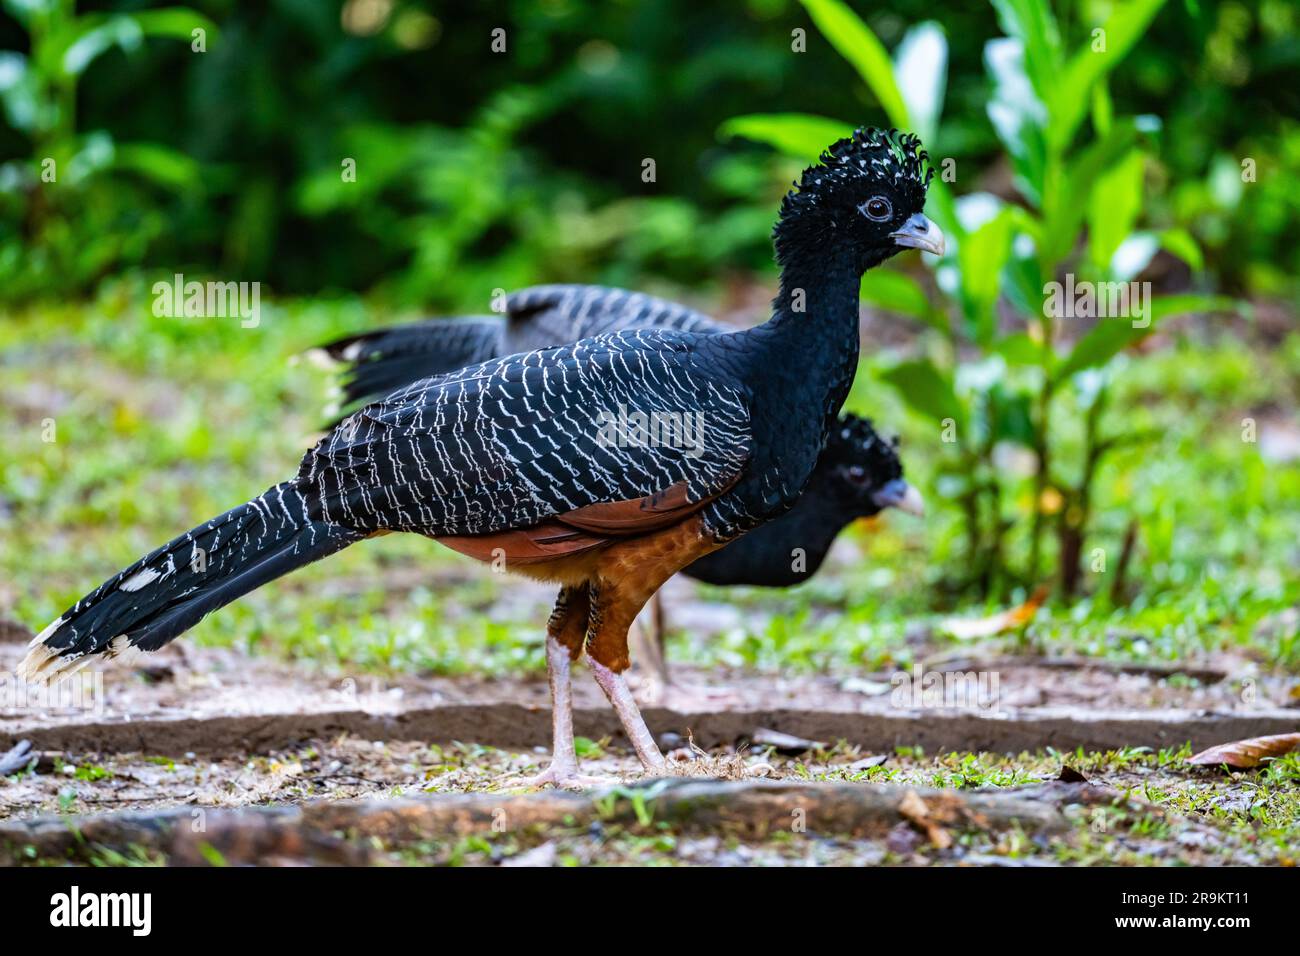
[510, 458]
[858, 474]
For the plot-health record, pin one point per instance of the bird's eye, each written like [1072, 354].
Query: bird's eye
[857, 474]
[877, 209]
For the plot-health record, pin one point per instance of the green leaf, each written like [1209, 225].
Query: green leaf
[23, 10]
[980, 257]
[1066, 199]
[1114, 205]
[896, 292]
[1109, 337]
[1103, 342]
[1122, 29]
[98, 37]
[1170, 305]
[926, 389]
[800, 135]
[1022, 282]
[94, 153]
[1018, 115]
[176, 22]
[159, 164]
[921, 73]
[78, 43]
[1033, 24]
[1019, 349]
[864, 51]
[1179, 242]
[1103, 109]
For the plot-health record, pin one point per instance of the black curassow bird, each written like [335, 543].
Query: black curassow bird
[858, 474]
[508, 457]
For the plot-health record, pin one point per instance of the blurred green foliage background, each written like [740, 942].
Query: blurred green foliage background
[478, 168]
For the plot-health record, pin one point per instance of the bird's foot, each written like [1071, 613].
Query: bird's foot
[561, 777]
[687, 697]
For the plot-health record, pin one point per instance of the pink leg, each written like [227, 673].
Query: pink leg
[563, 771]
[620, 696]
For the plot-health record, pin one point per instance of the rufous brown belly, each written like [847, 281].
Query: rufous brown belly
[611, 557]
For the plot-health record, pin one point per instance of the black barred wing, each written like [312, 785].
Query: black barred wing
[514, 441]
[383, 360]
[547, 315]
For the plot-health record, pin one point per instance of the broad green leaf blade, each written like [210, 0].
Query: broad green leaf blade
[1103, 342]
[1114, 205]
[864, 51]
[1066, 201]
[23, 10]
[1109, 337]
[897, 292]
[921, 72]
[1019, 349]
[1100, 54]
[1018, 115]
[981, 256]
[76, 45]
[801, 135]
[1179, 242]
[1022, 280]
[926, 389]
[176, 22]
[1169, 305]
[98, 38]
[159, 164]
[1033, 24]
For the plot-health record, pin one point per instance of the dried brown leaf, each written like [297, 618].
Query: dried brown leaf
[969, 629]
[1243, 754]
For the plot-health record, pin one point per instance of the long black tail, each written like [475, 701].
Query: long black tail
[382, 361]
[172, 589]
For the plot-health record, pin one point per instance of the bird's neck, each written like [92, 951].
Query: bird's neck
[798, 367]
[810, 345]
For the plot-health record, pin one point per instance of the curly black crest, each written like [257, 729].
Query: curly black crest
[828, 197]
[883, 156]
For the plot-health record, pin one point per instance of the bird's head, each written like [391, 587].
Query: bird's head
[864, 198]
[866, 471]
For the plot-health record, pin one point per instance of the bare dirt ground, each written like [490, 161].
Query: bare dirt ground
[215, 701]
[207, 730]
